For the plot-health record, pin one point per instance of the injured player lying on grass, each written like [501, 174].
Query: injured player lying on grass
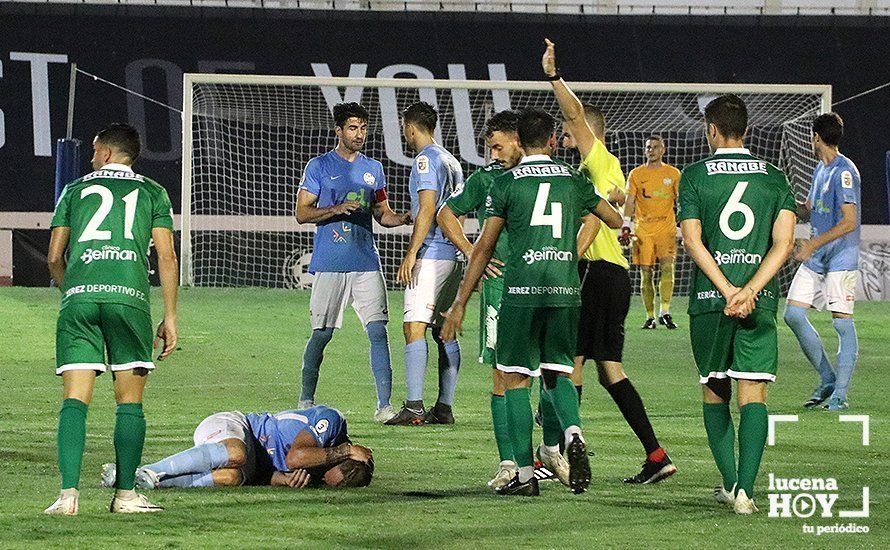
[294, 448]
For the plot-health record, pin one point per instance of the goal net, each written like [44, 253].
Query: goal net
[248, 138]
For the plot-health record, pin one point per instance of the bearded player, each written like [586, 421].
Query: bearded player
[605, 283]
[651, 201]
[503, 143]
[737, 218]
[541, 203]
[341, 192]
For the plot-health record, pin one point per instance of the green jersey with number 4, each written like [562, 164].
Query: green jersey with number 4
[111, 213]
[542, 202]
[737, 197]
[471, 198]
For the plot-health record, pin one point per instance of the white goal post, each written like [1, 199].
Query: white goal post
[246, 139]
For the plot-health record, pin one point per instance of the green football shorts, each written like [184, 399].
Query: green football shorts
[489, 306]
[743, 349]
[86, 331]
[535, 338]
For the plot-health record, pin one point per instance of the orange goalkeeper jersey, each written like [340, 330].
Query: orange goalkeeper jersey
[655, 192]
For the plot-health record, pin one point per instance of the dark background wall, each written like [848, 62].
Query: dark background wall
[149, 49]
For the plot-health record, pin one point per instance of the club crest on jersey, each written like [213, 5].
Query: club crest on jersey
[667, 181]
[340, 236]
[423, 164]
[321, 426]
[369, 179]
[846, 180]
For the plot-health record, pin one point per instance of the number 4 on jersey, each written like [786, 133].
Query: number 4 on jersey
[539, 215]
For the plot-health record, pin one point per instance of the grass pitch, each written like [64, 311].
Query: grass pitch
[239, 350]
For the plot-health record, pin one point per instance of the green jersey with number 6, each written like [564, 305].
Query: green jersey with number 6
[737, 197]
[471, 197]
[111, 213]
[542, 202]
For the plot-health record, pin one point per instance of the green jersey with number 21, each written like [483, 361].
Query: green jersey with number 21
[111, 213]
[737, 197]
[542, 202]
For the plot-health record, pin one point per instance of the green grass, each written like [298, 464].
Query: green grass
[239, 349]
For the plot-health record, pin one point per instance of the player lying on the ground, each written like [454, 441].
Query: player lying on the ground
[651, 199]
[108, 218]
[738, 210]
[541, 203]
[292, 448]
[827, 277]
[605, 283]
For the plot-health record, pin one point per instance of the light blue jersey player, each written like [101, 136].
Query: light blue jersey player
[430, 269]
[292, 448]
[830, 270]
[342, 192]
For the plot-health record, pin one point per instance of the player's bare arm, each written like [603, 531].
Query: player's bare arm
[426, 213]
[387, 217]
[692, 241]
[742, 303]
[305, 453]
[846, 225]
[590, 226]
[453, 229]
[55, 258]
[168, 272]
[606, 212]
[308, 212]
[296, 479]
[481, 256]
[569, 104]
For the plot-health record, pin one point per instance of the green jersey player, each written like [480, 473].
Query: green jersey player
[503, 143]
[108, 219]
[541, 203]
[737, 218]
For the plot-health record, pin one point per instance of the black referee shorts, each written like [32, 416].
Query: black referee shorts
[605, 301]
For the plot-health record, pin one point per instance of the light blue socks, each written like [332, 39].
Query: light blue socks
[848, 351]
[312, 358]
[415, 368]
[381, 365]
[197, 460]
[796, 319]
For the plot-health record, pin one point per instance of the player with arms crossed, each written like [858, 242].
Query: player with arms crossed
[541, 204]
[830, 267]
[737, 218]
[503, 143]
[109, 217]
[430, 269]
[651, 200]
[605, 283]
[295, 449]
[340, 192]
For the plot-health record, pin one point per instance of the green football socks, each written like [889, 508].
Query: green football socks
[752, 439]
[71, 438]
[565, 402]
[520, 423]
[501, 430]
[129, 437]
[549, 420]
[721, 439]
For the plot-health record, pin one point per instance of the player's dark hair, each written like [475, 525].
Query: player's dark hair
[504, 121]
[356, 473]
[345, 111]
[122, 137]
[829, 127]
[595, 115]
[421, 114]
[535, 127]
[729, 114]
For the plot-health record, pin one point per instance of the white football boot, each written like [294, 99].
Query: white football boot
[136, 504]
[723, 496]
[743, 505]
[145, 478]
[65, 505]
[556, 463]
[507, 470]
[384, 414]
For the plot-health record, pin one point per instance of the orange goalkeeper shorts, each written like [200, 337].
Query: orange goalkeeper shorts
[648, 250]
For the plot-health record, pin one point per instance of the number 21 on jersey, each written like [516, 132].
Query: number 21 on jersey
[539, 215]
[92, 231]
